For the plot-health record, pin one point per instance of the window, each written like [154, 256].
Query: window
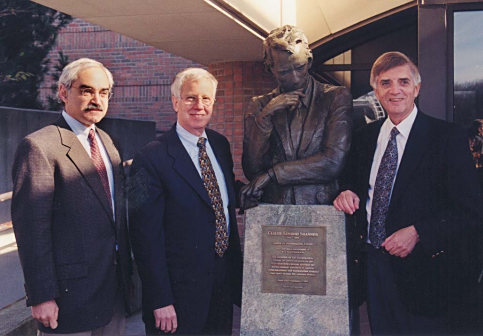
[467, 66]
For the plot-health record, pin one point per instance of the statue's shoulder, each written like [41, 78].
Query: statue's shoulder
[329, 91]
[329, 88]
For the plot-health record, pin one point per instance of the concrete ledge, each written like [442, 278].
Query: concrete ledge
[16, 320]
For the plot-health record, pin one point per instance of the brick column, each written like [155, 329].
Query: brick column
[142, 73]
[237, 83]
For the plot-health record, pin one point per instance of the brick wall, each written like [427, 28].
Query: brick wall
[237, 83]
[143, 76]
[142, 73]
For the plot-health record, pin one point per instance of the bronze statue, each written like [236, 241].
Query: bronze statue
[297, 136]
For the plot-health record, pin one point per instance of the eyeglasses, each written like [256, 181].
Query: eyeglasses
[192, 100]
[90, 93]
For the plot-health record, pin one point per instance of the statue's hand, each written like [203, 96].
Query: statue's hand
[289, 100]
[251, 193]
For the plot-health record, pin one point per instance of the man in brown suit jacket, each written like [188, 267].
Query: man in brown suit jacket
[69, 216]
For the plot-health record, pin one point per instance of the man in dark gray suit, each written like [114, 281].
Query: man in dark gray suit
[68, 213]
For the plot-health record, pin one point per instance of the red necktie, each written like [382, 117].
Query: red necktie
[99, 164]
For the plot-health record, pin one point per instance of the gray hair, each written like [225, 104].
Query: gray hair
[284, 38]
[390, 60]
[191, 74]
[71, 71]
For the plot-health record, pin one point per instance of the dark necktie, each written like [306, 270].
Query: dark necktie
[211, 186]
[99, 164]
[382, 191]
[297, 125]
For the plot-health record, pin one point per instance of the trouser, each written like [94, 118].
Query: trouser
[387, 313]
[115, 327]
[220, 311]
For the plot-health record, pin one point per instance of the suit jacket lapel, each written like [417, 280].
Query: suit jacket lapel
[110, 148]
[370, 144]
[314, 115]
[184, 165]
[417, 145]
[116, 164]
[281, 126]
[225, 167]
[79, 157]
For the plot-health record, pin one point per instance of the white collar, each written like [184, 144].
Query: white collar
[404, 127]
[187, 136]
[76, 126]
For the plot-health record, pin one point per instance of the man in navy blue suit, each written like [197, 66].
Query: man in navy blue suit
[412, 186]
[182, 196]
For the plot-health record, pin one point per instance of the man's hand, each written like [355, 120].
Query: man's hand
[165, 319]
[401, 243]
[251, 193]
[347, 201]
[46, 313]
[289, 100]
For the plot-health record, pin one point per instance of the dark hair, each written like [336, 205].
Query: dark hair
[391, 60]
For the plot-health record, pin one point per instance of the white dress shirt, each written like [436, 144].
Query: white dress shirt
[404, 129]
[190, 143]
[82, 133]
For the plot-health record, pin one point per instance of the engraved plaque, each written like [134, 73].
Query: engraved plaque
[294, 259]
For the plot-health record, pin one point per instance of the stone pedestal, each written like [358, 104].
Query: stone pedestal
[270, 310]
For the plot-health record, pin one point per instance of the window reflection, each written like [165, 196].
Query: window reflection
[468, 80]
[468, 66]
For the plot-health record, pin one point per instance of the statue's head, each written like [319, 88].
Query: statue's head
[288, 56]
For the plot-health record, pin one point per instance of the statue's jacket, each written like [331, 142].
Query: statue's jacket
[306, 155]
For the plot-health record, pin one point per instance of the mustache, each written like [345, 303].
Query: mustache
[92, 106]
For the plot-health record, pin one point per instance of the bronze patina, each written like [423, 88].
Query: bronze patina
[297, 136]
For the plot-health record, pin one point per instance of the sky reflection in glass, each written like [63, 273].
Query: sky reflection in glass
[468, 46]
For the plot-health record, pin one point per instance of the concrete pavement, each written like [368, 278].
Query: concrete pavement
[11, 289]
[135, 325]
[12, 293]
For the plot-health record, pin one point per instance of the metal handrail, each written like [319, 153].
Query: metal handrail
[6, 196]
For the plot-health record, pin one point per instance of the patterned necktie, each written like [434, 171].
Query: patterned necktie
[211, 186]
[382, 191]
[297, 125]
[99, 164]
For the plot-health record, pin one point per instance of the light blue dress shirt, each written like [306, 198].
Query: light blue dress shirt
[82, 133]
[190, 143]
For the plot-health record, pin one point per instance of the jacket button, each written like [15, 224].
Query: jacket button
[66, 290]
